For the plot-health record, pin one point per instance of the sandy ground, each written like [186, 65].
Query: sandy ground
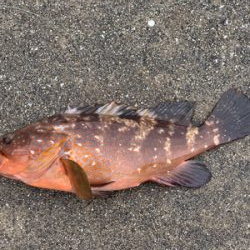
[77, 52]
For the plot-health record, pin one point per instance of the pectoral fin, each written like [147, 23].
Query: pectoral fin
[43, 162]
[78, 179]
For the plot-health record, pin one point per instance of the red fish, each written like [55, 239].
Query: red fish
[97, 149]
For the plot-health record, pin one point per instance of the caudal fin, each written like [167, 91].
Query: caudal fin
[231, 117]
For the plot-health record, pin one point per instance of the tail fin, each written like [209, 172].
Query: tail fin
[231, 116]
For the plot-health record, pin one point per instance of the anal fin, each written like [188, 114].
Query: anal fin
[192, 174]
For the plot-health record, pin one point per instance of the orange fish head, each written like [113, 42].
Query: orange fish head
[14, 154]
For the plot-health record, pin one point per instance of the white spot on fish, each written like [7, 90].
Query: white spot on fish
[79, 144]
[155, 149]
[191, 134]
[86, 118]
[123, 129]
[41, 130]
[167, 146]
[139, 170]
[70, 119]
[206, 146]
[98, 150]
[129, 123]
[154, 166]
[209, 123]
[138, 137]
[215, 130]
[170, 129]
[32, 152]
[169, 161]
[160, 131]
[93, 163]
[146, 125]
[39, 141]
[84, 125]
[192, 149]
[59, 128]
[170, 133]
[216, 139]
[99, 138]
[136, 149]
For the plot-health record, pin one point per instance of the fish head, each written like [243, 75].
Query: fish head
[14, 153]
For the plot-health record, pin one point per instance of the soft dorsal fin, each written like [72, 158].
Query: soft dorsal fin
[176, 112]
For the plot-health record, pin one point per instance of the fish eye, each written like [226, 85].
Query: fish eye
[8, 138]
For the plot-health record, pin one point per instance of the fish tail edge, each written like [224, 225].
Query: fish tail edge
[231, 116]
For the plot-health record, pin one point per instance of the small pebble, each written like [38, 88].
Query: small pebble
[151, 23]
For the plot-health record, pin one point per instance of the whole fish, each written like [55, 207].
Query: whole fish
[96, 149]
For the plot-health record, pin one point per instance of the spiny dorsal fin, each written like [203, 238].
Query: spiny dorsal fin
[112, 108]
[116, 109]
[89, 109]
[176, 112]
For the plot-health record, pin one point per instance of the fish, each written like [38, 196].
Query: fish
[94, 150]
